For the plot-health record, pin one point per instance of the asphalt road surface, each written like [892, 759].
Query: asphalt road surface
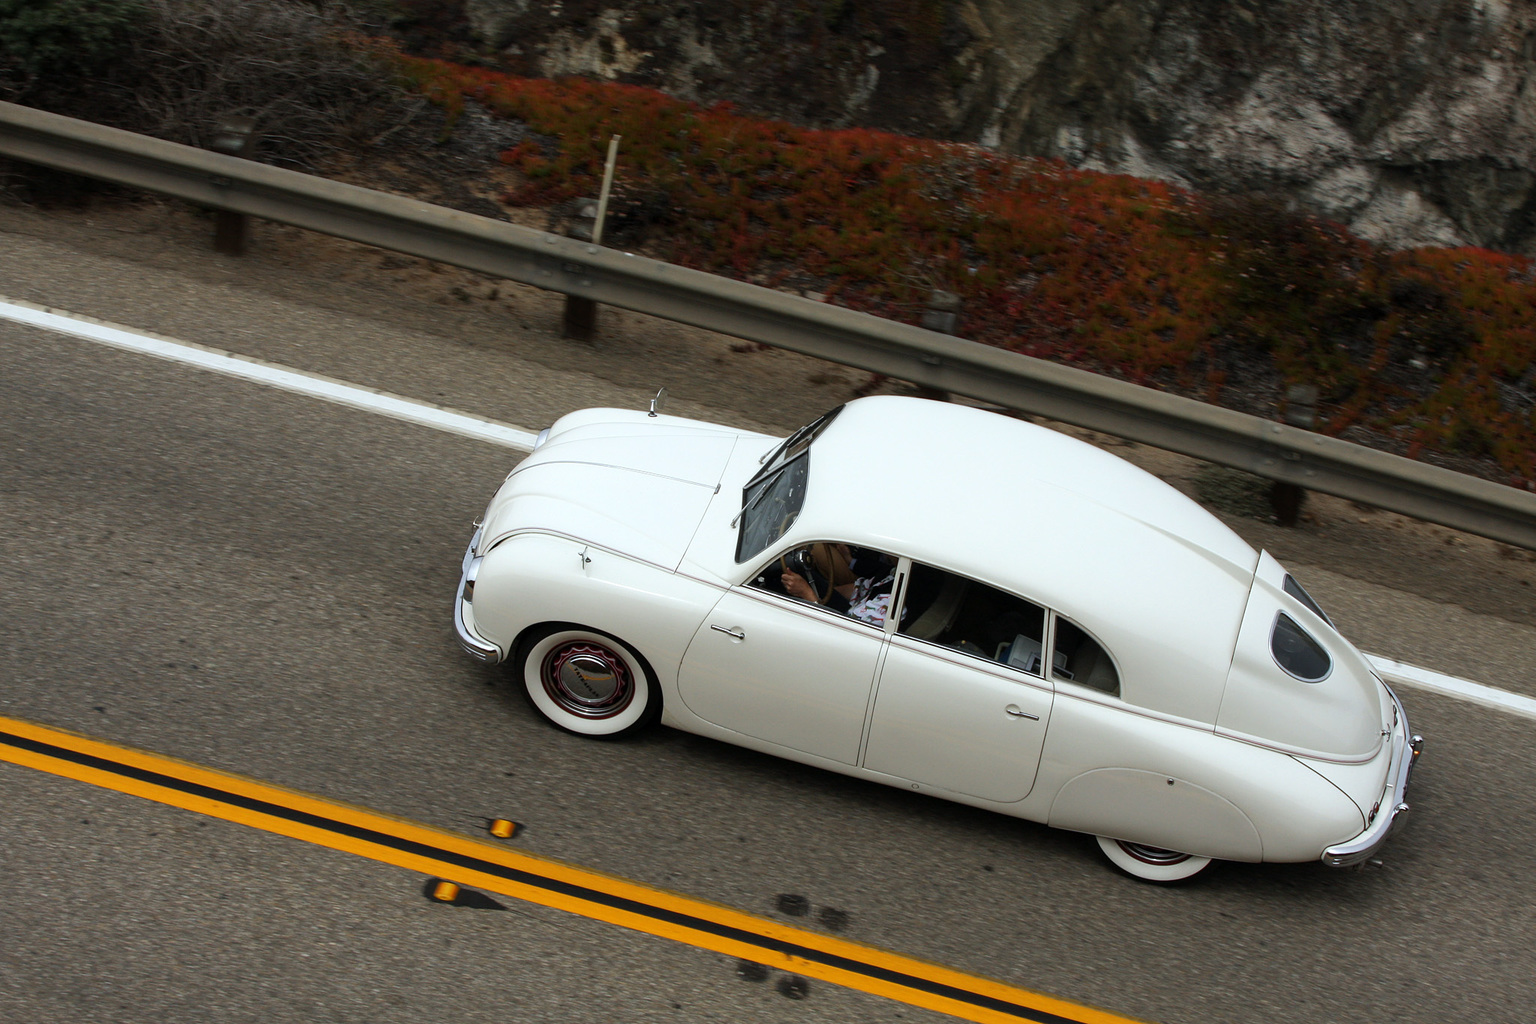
[261, 583]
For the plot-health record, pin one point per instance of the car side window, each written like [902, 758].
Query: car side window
[964, 615]
[1079, 659]
[854, 581]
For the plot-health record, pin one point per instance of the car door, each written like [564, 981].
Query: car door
[961, 703]
[792, 673]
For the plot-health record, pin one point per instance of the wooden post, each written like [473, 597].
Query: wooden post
[602, 198]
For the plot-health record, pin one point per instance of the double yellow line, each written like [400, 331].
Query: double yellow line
[485, 865]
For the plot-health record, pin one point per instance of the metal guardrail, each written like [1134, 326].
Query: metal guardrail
[1270, 449]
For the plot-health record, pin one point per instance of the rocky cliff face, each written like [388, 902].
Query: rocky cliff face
[1411, 121]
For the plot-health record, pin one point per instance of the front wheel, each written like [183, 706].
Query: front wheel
[1152, 863]
[588, 682]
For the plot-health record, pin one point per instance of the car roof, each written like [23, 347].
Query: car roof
[1157, 578]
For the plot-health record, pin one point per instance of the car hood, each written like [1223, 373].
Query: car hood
[638, 488]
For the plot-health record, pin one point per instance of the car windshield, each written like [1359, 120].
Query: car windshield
[790, 447]
[770, 504]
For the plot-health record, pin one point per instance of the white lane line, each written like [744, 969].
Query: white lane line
[1397, 672]
[482, 429]
[272, 374]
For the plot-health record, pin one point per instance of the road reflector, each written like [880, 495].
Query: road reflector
[501, 828]
[445, 892]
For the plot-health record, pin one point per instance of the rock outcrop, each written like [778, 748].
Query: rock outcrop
[1411, 121]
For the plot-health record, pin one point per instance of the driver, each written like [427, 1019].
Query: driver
[866, 594]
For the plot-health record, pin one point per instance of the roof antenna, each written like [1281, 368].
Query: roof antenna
[656, 402]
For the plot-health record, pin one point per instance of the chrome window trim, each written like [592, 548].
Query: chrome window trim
[965, 659]
[814, 612]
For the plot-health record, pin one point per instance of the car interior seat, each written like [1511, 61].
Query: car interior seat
[939, 615]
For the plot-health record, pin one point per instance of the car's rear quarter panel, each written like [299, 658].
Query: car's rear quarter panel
[1293, 812]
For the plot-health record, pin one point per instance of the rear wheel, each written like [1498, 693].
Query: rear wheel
[1152, 863]
[588, 682]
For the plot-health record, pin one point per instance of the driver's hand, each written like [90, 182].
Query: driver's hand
[796, 586]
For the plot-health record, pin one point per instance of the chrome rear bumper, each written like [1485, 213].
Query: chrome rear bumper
[475, 645]
[1392, 812]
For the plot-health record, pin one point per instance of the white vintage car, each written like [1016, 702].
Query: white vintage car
[877, 594]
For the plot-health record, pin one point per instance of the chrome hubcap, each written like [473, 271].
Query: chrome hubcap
[1154, 854]
[587, 679]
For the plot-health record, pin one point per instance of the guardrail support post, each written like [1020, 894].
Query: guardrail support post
[580, 318]
[1287, 499]
[237, 137]
[581, 314]
[943, 316]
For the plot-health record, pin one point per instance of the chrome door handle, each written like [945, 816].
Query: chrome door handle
[1013, 709]
[734, 634]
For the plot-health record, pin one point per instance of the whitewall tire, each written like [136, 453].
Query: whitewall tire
[587, 682]
[1150, 863]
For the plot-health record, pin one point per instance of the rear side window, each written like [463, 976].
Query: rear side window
[1078, 658]
[1299, 593]
[964, 615]
[1296, 651]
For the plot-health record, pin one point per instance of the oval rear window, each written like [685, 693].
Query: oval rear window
[1296, 651]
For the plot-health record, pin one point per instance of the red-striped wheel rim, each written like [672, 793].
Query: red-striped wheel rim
[587, 679]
